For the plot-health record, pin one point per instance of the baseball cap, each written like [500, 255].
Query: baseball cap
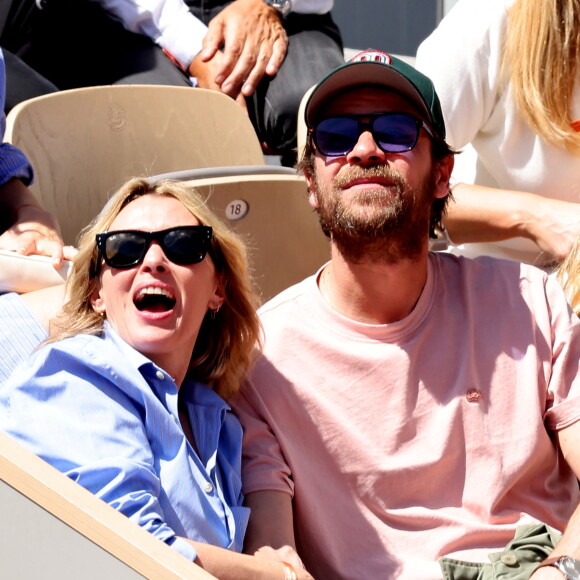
[376, 68]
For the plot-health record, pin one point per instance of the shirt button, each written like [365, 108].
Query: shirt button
[208, 487]
[160, 375]
[509, 559]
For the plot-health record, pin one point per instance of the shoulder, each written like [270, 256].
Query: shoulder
[468, 16]
[470, 30]
[504, 282]
[81, 359]
[292, 299]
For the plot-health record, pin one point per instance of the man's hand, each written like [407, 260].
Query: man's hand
[254, 44]
[36, 232]
[284, 554]
[205, 73]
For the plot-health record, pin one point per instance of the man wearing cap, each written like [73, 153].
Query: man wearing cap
[412, 415]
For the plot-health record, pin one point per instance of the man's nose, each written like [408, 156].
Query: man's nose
[366, 150]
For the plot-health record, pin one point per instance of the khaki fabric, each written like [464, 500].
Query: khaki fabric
[517, 561]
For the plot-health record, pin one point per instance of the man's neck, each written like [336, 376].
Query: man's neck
[373, 292]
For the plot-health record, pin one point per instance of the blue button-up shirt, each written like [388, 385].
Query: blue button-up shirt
[13, 162]
[106, 416]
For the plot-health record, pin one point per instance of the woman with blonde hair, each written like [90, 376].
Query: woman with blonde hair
[569, 275]
[127, 397]
[506, 72]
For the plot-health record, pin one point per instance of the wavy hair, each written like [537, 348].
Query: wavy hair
[225, 346]
[542, 52]
[568, 274]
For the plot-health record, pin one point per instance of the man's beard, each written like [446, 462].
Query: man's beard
[374, 225]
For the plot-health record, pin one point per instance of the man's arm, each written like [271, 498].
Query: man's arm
[569, 545]
[168, 23]
[485, 214]
[271, 525]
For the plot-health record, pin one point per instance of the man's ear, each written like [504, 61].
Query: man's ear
[443, 169]
[311, 187]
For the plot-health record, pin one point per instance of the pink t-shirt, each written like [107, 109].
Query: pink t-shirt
[405, 442]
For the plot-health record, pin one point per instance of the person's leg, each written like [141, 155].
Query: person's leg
[17, 20]
[23, 82]
[314, 49]
[99, 51]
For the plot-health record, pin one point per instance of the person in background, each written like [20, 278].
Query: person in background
[265, 54]
[413, 415]
[25, 226]
[507, 72]
[16, 22]
[127, 397]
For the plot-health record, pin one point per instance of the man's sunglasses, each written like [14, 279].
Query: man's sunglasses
[392, 132]
[182, 245]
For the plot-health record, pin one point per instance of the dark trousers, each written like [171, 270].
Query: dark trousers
[16, 23]
[103, 52]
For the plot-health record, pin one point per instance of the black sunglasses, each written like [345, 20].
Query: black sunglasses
[183, 245]
[392, 132]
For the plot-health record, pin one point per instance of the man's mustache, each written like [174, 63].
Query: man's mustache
[355, 172]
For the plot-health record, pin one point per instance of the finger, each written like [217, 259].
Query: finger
[279, 51]
[69, 252]
[51, 248]
[230, 61]
[213, 40]
[248, 73]
[241, 100]
[256, 75]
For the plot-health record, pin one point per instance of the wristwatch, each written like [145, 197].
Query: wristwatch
[568, 566]
[283, 7]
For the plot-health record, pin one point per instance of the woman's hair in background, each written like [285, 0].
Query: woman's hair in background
[542, 52]
[569, 275]
[225, 345]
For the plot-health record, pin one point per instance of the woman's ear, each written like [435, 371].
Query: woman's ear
[216, 301]
[97, 301]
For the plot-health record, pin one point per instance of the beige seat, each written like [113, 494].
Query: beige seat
[84, 143]
[52, 528]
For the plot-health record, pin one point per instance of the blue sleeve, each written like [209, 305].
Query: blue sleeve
[84, 424]
[13, 162]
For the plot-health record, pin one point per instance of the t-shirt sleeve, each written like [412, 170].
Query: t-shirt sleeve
[564, 383]
[264, 467]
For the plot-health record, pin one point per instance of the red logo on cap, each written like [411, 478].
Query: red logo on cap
[372, 56]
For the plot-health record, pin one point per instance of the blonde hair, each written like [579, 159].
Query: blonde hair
[569, 276]
[225, 345]
[542, 52]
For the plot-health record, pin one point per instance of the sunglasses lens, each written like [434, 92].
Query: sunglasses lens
[336, 136]
[396, 132]
[393, 132]
[185, 246]
[124, 249]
